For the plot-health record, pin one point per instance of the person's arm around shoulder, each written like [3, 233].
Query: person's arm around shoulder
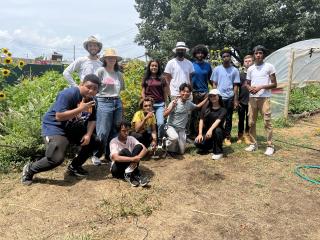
[73, 67]
[204, 101]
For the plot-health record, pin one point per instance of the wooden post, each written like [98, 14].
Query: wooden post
[290, 72]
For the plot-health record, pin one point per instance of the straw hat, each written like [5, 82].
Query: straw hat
[92, 39]
[110, 52]
[180, 45]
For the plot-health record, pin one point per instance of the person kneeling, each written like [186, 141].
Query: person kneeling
[178, 111]
[144, 124]
[211, 123]
[72, 118]
[126, 153]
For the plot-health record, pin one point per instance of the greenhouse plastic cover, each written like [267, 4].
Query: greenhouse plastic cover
[306, 69]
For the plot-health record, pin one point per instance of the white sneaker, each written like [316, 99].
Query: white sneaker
[251, 148]
[95, 161]
[269, 151]
[217, 156]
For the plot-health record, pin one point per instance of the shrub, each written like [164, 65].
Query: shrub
[133, 74]
[305, 99]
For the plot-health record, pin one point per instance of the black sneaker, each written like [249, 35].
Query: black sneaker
[26, 178]
[143, 181]
[130, 179]
[79, 171]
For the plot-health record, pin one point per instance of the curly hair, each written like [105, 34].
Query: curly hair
[200, 48]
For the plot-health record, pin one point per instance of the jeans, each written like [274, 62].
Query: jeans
[118, 169]
[243, 119]
[178, 139]
[55, 151]
[159, 109]
[228, 105]
[109, 114]
[214, 143]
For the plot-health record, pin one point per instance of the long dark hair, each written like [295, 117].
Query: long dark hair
[147, 74]
[208, 106]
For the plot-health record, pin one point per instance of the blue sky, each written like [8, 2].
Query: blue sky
[38, 27]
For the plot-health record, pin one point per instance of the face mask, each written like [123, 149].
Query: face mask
[180, 54]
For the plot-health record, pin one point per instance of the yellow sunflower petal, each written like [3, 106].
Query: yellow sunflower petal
[8, 60]
[21, 63]
[2, 96]
[5, 50]
[5, 72]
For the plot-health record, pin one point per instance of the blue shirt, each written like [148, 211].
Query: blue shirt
[224, 79]
[67, 99]
[201, 76]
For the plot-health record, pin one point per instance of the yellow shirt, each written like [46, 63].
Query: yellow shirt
[138, 117]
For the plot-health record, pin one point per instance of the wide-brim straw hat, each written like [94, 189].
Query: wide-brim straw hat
[110, 52]
[180, 45]
[92, 39]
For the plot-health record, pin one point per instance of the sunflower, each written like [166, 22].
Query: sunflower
[5, 72]
[9, 54]
[8, 60]
[21, 64]
[5, 50]
[2, 96]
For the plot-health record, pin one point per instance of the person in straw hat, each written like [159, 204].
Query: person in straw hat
[109, 110]
[85, 65]
[178, 70]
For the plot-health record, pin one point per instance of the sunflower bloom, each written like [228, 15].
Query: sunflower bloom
[5, 72]
[8, 60]
[21, 64]
[5, 50]
[9, 54]
[2, 96]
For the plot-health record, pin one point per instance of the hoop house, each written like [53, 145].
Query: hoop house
[296, 65]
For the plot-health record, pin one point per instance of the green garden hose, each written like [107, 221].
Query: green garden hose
[298, 173]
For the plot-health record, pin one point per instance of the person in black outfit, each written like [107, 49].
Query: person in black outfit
[243, 123]
[211, 130]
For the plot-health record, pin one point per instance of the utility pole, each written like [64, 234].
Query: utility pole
[74, 52]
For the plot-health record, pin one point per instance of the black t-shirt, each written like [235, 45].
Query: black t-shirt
[243, 91]
[210, 115]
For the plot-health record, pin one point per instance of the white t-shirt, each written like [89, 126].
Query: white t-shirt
[180, 72]
[260, 75]
[116, 146]
[82, 65]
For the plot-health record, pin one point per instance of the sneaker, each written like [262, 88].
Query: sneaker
[227, 142]
[269, 151]
[26, 178]
[217, 156]
[251, 148]
[95, 161]
[143, 181]
[131, 180]
[79, 171]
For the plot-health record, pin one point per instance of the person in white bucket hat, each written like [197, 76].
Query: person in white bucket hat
[85, 65]
[178, 70]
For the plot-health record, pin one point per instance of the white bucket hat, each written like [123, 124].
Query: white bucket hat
[92, 39]
[180, 45]
[214, 92]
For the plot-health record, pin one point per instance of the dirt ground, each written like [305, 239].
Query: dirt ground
[243, 196]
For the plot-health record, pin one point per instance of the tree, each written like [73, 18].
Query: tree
[241, 24]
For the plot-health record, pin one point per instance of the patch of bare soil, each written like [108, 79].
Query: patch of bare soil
[243, 196]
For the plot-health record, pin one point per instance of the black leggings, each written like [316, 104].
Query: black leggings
[214, 143]
[118, 168]
[55, 151]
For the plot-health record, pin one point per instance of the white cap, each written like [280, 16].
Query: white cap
[214, 92]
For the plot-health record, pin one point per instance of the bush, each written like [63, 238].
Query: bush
[22, 111]
[133, 74]
[304, 99]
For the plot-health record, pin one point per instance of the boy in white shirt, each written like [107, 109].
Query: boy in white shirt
[261, 78]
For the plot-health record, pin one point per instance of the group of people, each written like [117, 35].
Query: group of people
[91, 114]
